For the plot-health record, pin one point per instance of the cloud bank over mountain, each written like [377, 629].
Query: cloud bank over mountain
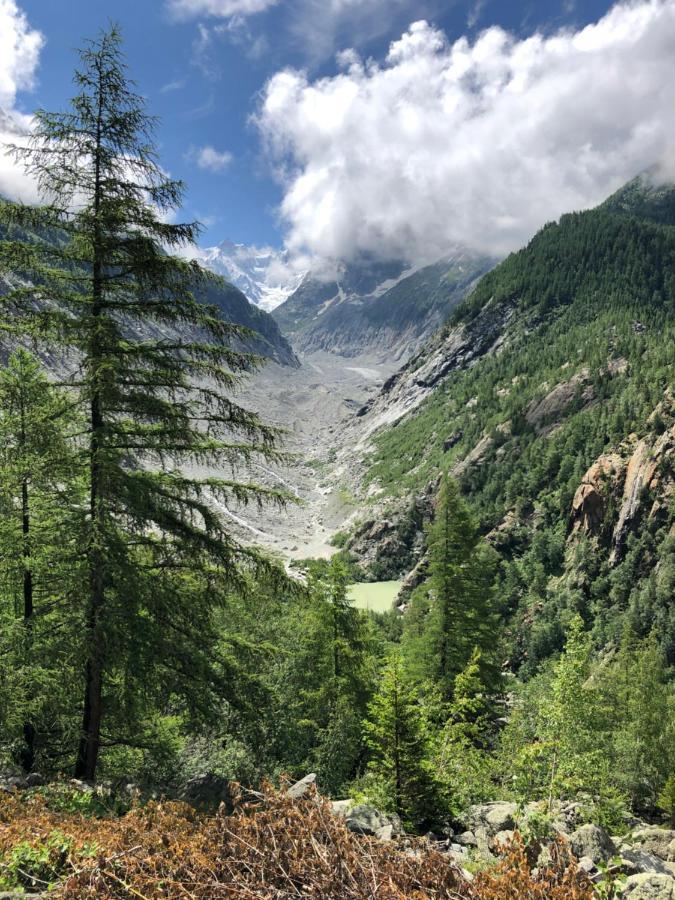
[20, 47]
[476, 142]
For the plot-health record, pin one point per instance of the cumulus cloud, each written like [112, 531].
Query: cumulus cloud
[187, 9]
[210, 159]
[477, 142]
[20, 47]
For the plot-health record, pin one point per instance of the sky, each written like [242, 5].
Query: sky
[397, 128]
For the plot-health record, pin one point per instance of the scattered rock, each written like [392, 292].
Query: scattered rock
[593, 842]
[341, 807]
[34, 779]
[502, 838]
[499, 815]
[366, 819]
[649, 887]
[658, 841]
[467, 839]
[637, 862]
[300, 788]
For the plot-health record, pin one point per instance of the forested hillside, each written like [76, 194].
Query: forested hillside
[558, 423]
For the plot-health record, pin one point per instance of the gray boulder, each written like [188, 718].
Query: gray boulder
[593, 842]
[34, 779]
[659, 841]
[467, 839]
[206, 792]
[494, 817]
[302, 787]
[341, 807]
[649, 887]
[637, 862]
[366, 819]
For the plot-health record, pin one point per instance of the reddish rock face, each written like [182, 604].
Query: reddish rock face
[590, 501]
[641, 484]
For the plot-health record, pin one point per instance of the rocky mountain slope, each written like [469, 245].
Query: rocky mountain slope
[267, 340]
[549, 397]
[387, 308]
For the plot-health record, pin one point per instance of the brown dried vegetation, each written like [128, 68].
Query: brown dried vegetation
[271, 848]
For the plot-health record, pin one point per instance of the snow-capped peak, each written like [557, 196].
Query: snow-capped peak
[263, 274]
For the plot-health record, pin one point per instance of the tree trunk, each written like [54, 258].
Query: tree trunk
[27, 754]
[90, 741]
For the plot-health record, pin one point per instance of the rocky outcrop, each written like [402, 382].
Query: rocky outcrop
[474, 458]
[453, 348]
[649, 472]
[638, 482]
[556, 401]
[589, 505]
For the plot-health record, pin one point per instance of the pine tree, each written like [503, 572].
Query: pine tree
[39, 496]
[461, 615]
[154, 367]
[395, 732]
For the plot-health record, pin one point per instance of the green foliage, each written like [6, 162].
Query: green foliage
[396, 737]
[156, 368]
[463, 768]
[459, 616]
[666, 800]
[40, 867]
[594, 289]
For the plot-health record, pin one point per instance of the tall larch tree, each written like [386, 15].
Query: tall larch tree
[153, 367]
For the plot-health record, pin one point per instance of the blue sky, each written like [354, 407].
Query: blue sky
[202, 75]
[393, 128]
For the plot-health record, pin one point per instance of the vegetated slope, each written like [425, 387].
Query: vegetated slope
[267, 340]
[376, 307]
[549, 396]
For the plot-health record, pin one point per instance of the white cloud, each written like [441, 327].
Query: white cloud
[20, 47]
[187, 9]
[209, 158]
[318, 27]
[475, 142]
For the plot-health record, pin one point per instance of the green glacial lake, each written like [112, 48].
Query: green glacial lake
[376, 596]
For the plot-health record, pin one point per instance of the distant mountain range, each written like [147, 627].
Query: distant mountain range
[261, 273]
[383, 308]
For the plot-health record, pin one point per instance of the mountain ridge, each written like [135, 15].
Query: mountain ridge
[387, 308]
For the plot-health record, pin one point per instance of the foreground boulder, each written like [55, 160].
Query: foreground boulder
[302, 787]
[366, 819]
[657, 841]
[649, 887]
[494, 817]
[593, 842]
